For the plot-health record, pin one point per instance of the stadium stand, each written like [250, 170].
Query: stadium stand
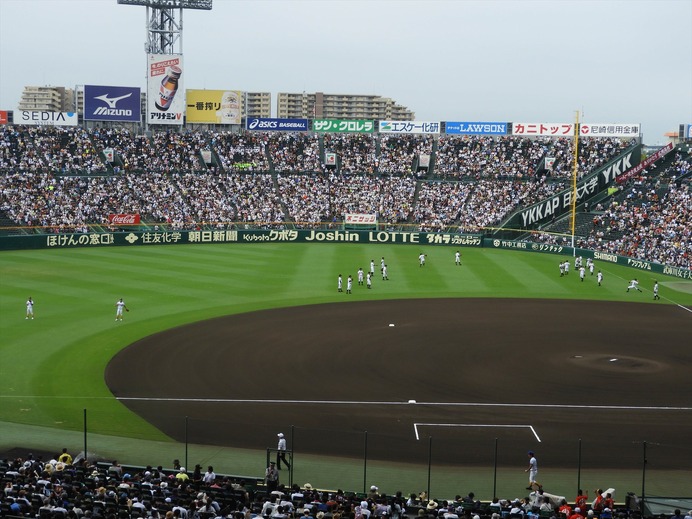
[58, 180]
[72, 489]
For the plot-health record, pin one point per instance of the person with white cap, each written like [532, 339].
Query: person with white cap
[281, 452]
[533, 471]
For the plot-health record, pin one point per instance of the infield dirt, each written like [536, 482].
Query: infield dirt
[534, 374]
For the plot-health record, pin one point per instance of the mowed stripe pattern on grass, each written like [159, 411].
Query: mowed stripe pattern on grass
[62, 354]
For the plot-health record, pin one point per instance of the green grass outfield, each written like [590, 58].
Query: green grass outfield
[51, 368]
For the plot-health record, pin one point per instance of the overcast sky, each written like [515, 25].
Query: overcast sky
[627, 61]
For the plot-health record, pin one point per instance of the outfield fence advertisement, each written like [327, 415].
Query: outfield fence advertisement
[149, 238]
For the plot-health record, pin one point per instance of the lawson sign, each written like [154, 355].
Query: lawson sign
[475, 128]
[111, 103]
[277, 125]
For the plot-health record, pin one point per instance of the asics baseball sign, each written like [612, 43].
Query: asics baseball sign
[111, 103]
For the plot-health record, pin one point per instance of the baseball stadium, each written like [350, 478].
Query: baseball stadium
[439, 378]
[348, 316]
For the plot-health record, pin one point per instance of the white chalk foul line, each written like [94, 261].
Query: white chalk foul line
[359, 402]
[415, 427]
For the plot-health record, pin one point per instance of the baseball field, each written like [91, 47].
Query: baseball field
[445, 372]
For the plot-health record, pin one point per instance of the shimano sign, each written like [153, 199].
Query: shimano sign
[111, 103]
[276, 125]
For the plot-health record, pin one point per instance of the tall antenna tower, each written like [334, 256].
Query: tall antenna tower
[165, 23]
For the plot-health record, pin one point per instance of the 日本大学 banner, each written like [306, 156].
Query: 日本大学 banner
[214, 106]
[276, 125]
[343, 126]
[111, 103]
[165, 90]
[475, 128]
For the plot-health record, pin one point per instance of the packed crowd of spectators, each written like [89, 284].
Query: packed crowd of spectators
[48, 149]
[650, 224]
[55, 178]
[356, 152]
[63, 488]
[326, 198]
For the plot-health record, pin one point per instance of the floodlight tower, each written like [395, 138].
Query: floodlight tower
[165, 23]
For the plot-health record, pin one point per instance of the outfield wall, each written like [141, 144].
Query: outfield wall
[135, 239]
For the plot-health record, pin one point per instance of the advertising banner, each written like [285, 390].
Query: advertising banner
[276, 125]
[111, 103]
[124, 219]
[475, 128]
[343, 126]
[689, 132]
[214, 106]
[419, 127]
[45, 118]
[645, 163]
[360, 218]
[165, 91]
[544, 129]
[3, 116]
[587, 187]
[609, 130]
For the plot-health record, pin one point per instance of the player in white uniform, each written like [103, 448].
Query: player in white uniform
[119, 306]
[421, 260]
[599, 277]
[457, 258]
[590, 264]
[29, 308]
[385, 277]
[562, 269]
[349, 284]
[566, 267]
[360, 276]
[582, 273]
[372, 267]
[339, 284]
[369, 280]
[656, 296]
[634, 284]
[382, 265]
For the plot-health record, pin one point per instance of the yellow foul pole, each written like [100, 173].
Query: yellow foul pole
[575, 172]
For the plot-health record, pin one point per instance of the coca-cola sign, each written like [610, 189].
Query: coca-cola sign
[124, 219]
